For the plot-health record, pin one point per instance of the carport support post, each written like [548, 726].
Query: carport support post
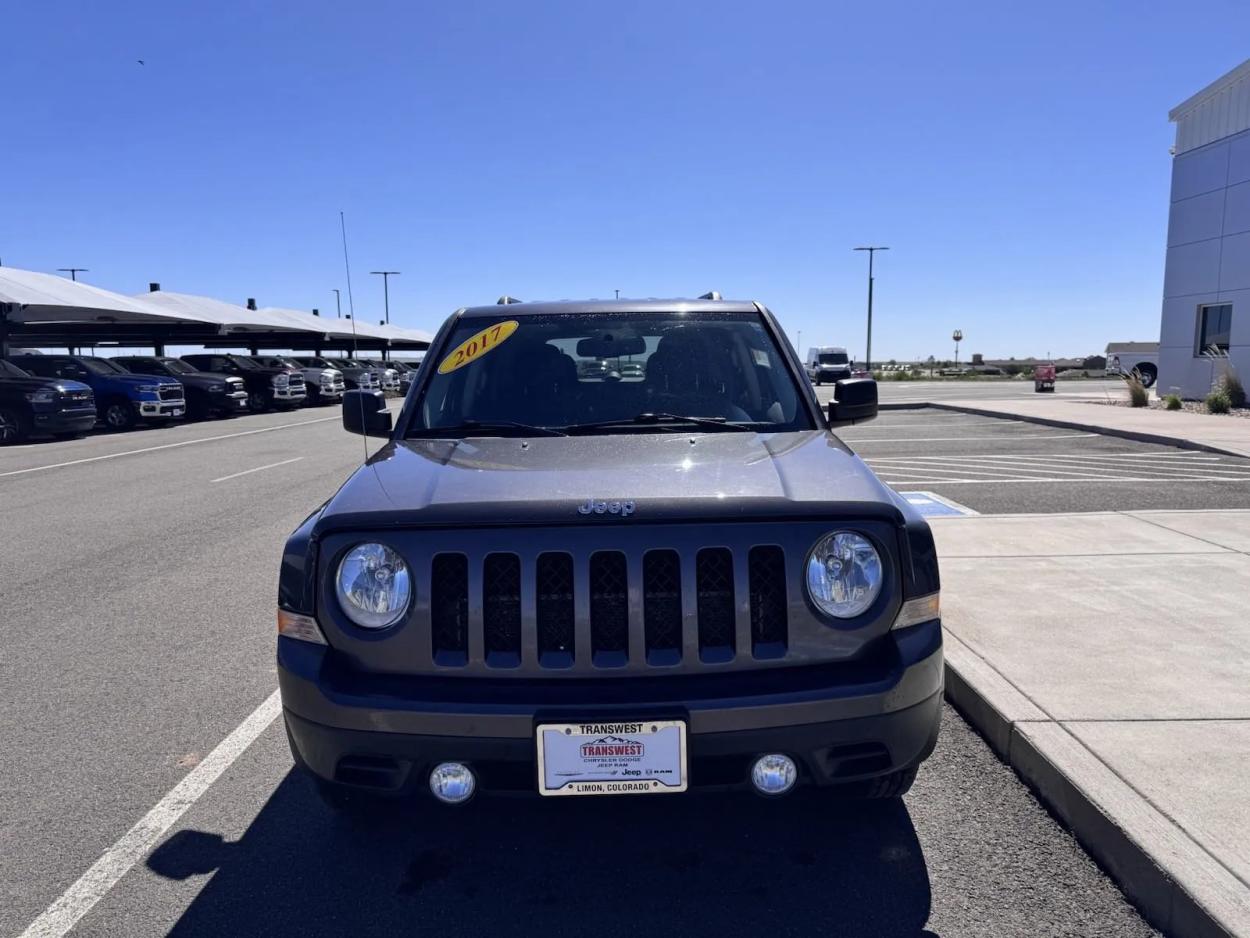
[4, 330]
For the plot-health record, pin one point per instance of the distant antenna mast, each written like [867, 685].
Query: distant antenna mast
[352, 308]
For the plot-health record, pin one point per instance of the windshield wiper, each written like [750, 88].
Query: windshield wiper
[486, 428]
[652, 418]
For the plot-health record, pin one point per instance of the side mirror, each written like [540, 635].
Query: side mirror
[854, 401]
[365, 412]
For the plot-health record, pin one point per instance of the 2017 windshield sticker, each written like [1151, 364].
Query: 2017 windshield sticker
[477, 345]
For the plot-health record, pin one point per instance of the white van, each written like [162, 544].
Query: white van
[827, 363]
[1123, 358]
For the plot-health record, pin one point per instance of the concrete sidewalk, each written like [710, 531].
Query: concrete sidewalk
[1217, 434]
[1106, 657]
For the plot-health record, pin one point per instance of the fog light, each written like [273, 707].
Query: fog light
[452, 783]
[774, 774]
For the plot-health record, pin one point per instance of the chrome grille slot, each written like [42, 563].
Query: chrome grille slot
[556, 633]
[714, 585]
[449, 609]
[767, 575]
[661, 606]
[501, 610]
[609, 609]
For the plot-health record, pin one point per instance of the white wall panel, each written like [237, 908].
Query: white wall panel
[1236, 209]
[1192, 268]
[1199, 172]
[1239, 159]
[1196, 219]
[1235, 263]
[1180, 320]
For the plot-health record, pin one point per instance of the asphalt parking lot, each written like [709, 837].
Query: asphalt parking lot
[994, 465]
[139, 636]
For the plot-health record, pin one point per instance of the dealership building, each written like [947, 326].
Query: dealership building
[1206, 285]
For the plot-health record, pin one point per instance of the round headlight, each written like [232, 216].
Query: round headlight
[843, 574]
[373, 586]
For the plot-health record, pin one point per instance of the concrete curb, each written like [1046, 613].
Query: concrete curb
[1159, 438]
[1078, 788]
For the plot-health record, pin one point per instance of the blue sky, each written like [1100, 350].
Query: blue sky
[1013, 156]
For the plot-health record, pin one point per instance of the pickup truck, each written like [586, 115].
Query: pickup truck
[207, 395]
[122, 399]
[324, 385]
[267, 388]
[354, 377]
[29, 405]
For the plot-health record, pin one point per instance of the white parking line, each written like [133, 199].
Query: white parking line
[1005, 438]
[1043, 465]
[884, 477]
[153, 449]
[117, 860]
[272, 465]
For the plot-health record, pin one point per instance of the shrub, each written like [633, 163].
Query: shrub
[1218, 402]
[1138, 396]
[1233, 389]
[1172, 402]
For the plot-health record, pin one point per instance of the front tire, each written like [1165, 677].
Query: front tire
[13, 427]
[119, 416]
[258, 402]
[1149, 374]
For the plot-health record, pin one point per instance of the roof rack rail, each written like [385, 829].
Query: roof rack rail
[711, 295]
[506, 300]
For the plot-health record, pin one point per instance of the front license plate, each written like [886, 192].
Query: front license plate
[616, 758]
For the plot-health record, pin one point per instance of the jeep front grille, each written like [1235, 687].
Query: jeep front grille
[449, 609]
[651, 608]
[556, 633]
[501, 609]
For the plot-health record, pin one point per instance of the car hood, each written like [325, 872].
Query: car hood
[35, 384]
[134, 380]
[668, 476]
[202, 379]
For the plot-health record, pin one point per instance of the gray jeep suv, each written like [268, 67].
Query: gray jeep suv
[668, 575]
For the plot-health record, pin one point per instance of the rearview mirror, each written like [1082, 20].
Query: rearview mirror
[365, 412]
[854, 401]
[609, 346]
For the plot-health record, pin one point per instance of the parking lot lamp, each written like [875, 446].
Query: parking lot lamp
[338, 302]
[868, 349]
[958, 336]
[386, 292]
[73, 272]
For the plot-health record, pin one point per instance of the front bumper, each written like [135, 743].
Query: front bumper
[161, 410]
[841, 723]
[76, 420]
[290, 395]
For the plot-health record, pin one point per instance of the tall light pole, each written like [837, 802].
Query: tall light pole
[386, 276]
[338, 302]
[958, 336]
[868, 351]
[73, 271]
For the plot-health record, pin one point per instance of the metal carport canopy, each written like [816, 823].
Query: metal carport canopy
[43, 309]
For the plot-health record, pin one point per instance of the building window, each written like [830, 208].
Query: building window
[1214, 326]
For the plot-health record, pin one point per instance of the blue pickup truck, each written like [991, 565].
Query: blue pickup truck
[122, 399]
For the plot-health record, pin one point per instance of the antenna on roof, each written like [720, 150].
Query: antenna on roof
[351, 305]
[506, 300]
[711, 295]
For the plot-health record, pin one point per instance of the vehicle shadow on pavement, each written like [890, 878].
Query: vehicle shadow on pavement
[708, 864]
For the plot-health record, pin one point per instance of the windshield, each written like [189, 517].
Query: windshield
[102, 366]
[578, 369]
[9, 370]
[174, 366]
[245, 363]
[833, 358]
